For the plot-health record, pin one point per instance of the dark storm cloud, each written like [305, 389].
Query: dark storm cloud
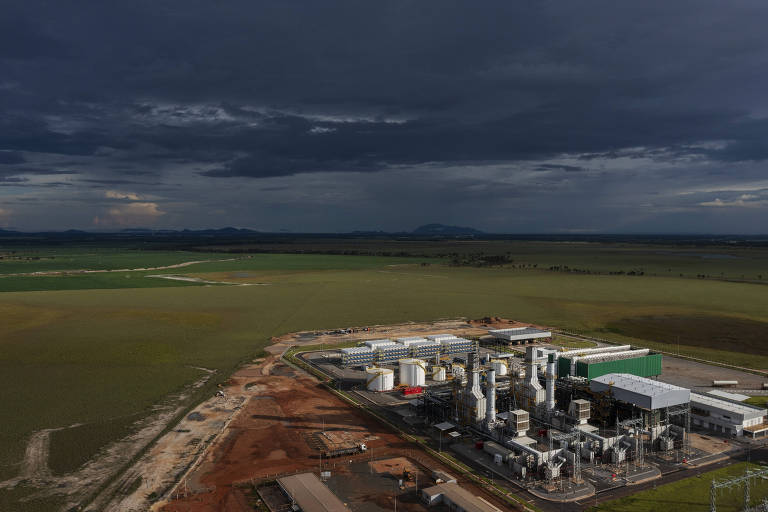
[11, 157]
[198, 94]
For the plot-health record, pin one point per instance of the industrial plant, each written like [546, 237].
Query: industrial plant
[558, 422]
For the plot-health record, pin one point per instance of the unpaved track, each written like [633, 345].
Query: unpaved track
[189, 279]
[103, 271]
[34, 467]
[77, 486]
[35, 463]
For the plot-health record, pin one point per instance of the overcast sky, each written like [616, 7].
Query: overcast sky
[520, 116]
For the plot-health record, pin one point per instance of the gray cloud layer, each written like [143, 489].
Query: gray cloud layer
[545, 116]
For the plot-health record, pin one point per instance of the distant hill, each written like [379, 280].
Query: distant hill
[442, 229]
[220, 231]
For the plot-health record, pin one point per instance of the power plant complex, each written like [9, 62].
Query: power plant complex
[539, 411]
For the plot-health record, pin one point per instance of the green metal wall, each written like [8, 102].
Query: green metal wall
[563, 366]
[645, 366]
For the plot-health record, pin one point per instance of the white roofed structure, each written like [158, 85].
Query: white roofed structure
[640, 391]
[727, 416]
[520, 333]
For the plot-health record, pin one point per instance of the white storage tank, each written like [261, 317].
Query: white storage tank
[379, 379]
[438, 373]
[412, 372]
[499, 366]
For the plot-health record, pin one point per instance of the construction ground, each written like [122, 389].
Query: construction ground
[275, 420]
[282, 421]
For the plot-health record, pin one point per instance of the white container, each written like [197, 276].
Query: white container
[438, 374]
[412, 372]
[458, 371]
[379, 379]
[499, 366]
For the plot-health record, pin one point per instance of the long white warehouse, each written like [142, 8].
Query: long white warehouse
[519, 334]
[727, 416]
[641, 392]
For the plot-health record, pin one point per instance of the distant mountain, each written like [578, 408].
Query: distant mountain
[443, 230]
[221, 231]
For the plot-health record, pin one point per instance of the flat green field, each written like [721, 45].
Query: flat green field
[691, 494]
[102, 356]
[17, 260]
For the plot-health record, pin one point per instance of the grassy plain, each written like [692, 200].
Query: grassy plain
[571, 342]
[760, 401]
[665, 259]
[690, 494]
[102, 356]
[22, 259]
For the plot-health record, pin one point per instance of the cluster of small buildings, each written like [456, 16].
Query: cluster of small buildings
[388, 351]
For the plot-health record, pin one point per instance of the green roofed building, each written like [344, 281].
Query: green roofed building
[641, 362]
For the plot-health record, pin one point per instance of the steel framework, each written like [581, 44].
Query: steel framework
[575, 433]
[638, 424]
[733, 482]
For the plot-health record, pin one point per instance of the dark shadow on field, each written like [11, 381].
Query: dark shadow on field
[709, 331]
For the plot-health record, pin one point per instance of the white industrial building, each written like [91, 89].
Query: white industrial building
[520, 334]
[456, 498]
[641, 392]
[727, 416]
[309, 494]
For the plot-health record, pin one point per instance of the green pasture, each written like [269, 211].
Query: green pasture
[572, 342]
[665, 260]
[240, 267]
[15, 260]
[691, 494]
[760, 401]
[104, 357]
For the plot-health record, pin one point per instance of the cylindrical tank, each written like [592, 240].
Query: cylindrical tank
[725, 383]
[379, 379]
[438, 373]
[412, 372]
[499, 366]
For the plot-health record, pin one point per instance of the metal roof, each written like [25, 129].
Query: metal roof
[748, 412]
[356, 350]
[459, 498]
[310, 494]
[639, 391]
[729, 396]
[425, 343]
[520, 333]
[580, 352]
